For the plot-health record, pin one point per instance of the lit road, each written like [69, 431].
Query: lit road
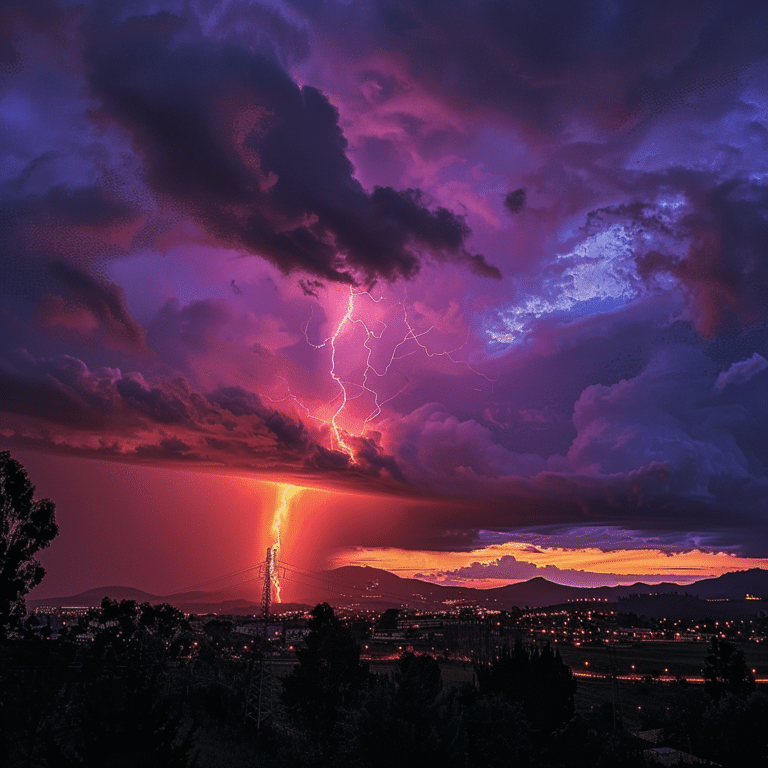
[635, 678]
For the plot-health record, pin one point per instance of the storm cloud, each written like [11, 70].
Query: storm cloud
[505, 259]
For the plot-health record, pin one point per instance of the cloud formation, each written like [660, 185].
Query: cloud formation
[59, 403]
[260, 162]
[508, 569]
[742, 371]
[511, 258]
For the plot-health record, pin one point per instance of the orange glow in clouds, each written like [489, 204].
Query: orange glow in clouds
[626, 565]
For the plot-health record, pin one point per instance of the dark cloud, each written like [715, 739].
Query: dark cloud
[707, 233]
[255, 26]
[192, 327]
[659, 451]
[240, 403]
[115, 415]
[54, 392]
[480, 266]
[260, 162]
[610, 159]
[103, 301]
[93, 206]
[310, 287]
[126, 409]
[514, 202]
[613, 65]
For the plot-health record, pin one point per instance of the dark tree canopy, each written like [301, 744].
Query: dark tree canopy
[329, 675]
[538, 680]
[726, 671]
[26, 526]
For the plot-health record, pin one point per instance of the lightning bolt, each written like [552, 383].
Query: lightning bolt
[352, 317]
[337, 431]
[287, 493]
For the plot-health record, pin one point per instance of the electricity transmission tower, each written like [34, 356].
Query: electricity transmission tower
[258, 704]
[618, 713]
[266, 594]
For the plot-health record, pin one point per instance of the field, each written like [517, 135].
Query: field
[656, 659]
[653, 659]
[643, 702]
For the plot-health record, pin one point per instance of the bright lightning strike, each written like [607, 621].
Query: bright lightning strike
[287, 493]
[352, 390]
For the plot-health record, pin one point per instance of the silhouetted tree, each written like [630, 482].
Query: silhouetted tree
[35, 677]
[732, 730]
[591, 742]
[538, 680]
[26, 526]
[729, 730]
[329, 675]
[405, 721]
[726, 671]
[388, 619]
[163, 619]
[498, 734]
[125, 719]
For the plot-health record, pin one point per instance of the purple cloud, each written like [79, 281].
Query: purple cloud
[741, 372]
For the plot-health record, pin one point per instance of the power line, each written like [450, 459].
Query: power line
[333, 585]
[216, 578]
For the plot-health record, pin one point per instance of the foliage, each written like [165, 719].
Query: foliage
[328, 677]
[124, 698]
[128, 697]
[125, 719]
[36, 679]
[733, 730]
[26, 526]
[405, 720]
[592, 743]
[538, 680]
[498, 733]
[388, 619]
[139, 631]
[729, 730]
[726, 671]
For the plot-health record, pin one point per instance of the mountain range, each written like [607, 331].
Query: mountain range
[376, 589]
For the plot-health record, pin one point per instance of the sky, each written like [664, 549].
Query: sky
[478, 289]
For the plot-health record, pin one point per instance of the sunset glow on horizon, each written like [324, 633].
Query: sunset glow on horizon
[497, 565]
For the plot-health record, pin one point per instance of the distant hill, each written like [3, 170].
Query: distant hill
[93, 597]
[732, 585]
[377, 589]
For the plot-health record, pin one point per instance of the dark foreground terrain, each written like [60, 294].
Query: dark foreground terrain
[146, 689]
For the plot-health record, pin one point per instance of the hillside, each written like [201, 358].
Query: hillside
[377, 589]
